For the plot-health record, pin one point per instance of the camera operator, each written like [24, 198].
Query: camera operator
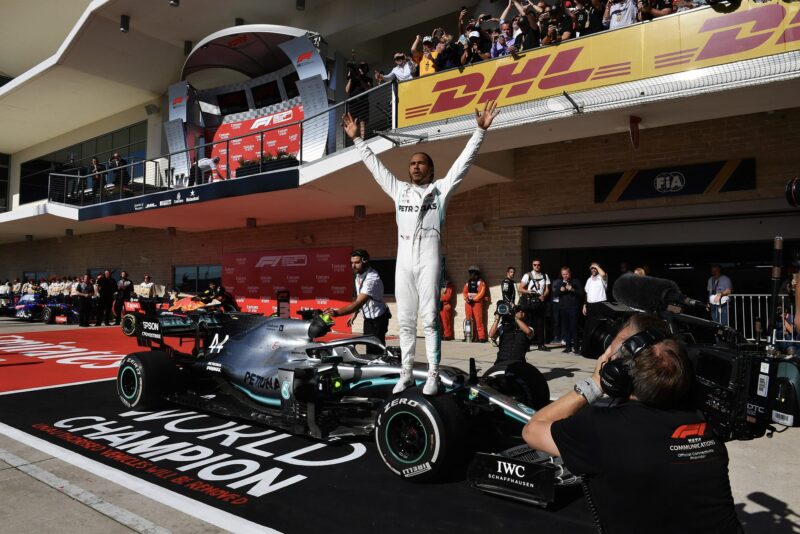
[513, 332]
[652, 9]
[650, 463]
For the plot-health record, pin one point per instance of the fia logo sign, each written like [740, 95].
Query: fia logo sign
[669, 182]
[217, 345]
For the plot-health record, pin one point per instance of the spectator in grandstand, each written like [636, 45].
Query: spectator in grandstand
[527, 37]
[403, 69]
[472, 52]
[620, 13]
[449, 53]
[686, 5]
[93, 172]
[358, 82]
[652, 9]
[499, 44]
[719, 289]
[587, 17]
[424, 54]
[117, 172]
[559, 27]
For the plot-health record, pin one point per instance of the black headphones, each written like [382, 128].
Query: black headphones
[615, 378]
[361, 253]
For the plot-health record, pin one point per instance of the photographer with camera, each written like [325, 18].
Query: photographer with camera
[650, 463]
[511, 333]
[558, 27]
[424, 55]
[533, 292]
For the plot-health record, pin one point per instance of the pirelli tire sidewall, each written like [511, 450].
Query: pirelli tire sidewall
[128, 324]
[144, 379]
[433, 427]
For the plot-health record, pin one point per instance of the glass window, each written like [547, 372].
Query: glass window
[290, 85]
[34, 175]
[195, 278]
[266, 94]
[3, 182]
[235, 102]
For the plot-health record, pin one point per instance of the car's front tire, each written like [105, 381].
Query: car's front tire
[421, 438]
[48, 317]
[144, 379]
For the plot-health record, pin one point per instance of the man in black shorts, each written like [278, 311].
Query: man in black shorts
[651, 463]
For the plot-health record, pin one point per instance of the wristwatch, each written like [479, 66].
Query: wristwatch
[588, 389]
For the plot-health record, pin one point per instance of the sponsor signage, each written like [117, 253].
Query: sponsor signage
[249, 148]
[305, 58]
[285, 179]
[680, 180]
[255, 278]
[693, 40]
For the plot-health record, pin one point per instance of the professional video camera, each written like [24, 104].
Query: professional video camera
[505, 308]
[743, 388]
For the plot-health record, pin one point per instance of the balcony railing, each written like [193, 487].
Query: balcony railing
[742, 312]
[318, 136]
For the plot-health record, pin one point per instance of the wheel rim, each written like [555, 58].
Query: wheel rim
[128, 382]
[406, 437]
[128, 325]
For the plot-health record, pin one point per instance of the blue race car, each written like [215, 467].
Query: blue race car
[33, 307]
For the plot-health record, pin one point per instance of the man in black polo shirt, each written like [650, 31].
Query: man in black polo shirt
[123, 294]
[106, 287]
[651, 464]
[570, 297]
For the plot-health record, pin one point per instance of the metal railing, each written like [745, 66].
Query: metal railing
[322, 132]
[742, 312]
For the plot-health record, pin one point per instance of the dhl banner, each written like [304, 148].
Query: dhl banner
[315, 278]
[276, 139]
[668, 45]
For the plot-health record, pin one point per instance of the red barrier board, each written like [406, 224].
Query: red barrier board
[315, 278]
[276, 139]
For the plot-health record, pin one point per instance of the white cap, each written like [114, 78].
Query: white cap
[473, 268]
[474, 34]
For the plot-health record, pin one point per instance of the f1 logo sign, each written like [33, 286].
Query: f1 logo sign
[687, 431]
[295, 260]
[305, 56]
[507, 468]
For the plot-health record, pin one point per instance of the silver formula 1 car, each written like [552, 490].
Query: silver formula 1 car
[271, 370]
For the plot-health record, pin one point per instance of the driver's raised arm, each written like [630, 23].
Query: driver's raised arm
[382, 175]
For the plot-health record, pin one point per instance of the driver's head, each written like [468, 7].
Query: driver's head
[661, 373]
[420, 169]
[359, 260]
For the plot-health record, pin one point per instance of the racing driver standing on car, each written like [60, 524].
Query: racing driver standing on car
[420, 207]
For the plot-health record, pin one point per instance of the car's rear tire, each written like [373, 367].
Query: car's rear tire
[421, 438]
[144, 379]
[48, 317]
[521, 381]
[129, 324]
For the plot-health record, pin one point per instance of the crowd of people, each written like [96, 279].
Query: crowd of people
[96, 176]
[520, 26]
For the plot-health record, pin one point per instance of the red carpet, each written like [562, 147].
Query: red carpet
[41, 359]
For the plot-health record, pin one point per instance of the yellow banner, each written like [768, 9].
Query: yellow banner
[673, 44]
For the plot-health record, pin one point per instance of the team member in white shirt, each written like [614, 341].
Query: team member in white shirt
[596, 286]
[369, 300]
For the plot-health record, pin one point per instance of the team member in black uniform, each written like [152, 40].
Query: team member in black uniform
[652, 464]
[508, 286]
[84, 292]
[570, 298]
[106, 287]
[514, 335]
[123, 294]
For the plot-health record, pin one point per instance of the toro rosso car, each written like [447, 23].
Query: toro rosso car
[33, 307]
[273, 371]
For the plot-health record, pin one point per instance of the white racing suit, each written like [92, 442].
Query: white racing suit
[420, 211]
